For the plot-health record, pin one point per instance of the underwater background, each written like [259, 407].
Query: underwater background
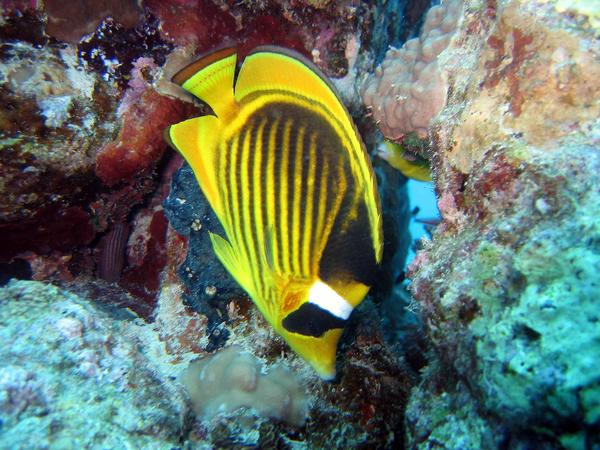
[120, 328]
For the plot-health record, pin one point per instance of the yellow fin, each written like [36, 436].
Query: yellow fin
[211, 80]
[228, 258]
[410, 164]
[275, 68]
[197, 140]
[268, 254]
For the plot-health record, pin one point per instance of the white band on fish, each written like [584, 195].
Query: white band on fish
[326, 298]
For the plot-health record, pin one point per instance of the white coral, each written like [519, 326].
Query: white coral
[408, 89]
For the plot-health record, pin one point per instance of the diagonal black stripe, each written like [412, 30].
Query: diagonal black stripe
[292, 173]
[316, 199]
[264, 179]
[281, 147]
[303, 236]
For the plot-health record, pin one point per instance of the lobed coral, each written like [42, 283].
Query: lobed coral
[231, 379]
[409, 88]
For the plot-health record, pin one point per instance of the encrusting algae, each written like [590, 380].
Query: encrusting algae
[285, 171]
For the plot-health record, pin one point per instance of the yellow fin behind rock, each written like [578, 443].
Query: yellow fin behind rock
[410, 164]
[198, 141]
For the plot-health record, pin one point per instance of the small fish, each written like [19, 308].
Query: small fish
[285, 171]
[112, 253]
[410, 164]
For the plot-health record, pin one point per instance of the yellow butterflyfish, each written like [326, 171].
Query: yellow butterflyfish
[410, 164]
[286, 173]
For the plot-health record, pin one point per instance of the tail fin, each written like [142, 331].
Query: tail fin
[211, 80]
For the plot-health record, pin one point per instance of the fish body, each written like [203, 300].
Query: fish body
[286, 173]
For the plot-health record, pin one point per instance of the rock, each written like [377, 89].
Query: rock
[73, 374]
[507, 283]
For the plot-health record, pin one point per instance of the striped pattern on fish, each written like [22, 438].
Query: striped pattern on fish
[285, 171]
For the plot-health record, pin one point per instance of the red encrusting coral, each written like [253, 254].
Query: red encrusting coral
[71, 20]
[147, 258]
[225, 27]
[155, 250]
[51, 228]
[196, 22]
[140, 144]
[517, 43]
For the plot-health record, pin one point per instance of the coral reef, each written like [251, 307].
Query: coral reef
[80, 149]
[508, 285]
[85, 175]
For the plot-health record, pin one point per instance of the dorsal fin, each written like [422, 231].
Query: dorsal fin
[275, 68]
[210, 78]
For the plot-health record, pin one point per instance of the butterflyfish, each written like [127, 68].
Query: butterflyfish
[410, 164]
[286, 173]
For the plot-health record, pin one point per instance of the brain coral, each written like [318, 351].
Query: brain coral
[408, 89]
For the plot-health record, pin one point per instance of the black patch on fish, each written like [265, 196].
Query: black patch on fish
[349, 254]
[311, 320]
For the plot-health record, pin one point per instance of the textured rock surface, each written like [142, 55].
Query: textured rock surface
[55, 117]
[73, 375]
[81, 141]
[91, 374]
[508, 285]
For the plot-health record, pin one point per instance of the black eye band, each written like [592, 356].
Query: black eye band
[311, 320]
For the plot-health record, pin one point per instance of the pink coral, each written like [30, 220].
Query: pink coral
[408, 89]
[140, 143]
